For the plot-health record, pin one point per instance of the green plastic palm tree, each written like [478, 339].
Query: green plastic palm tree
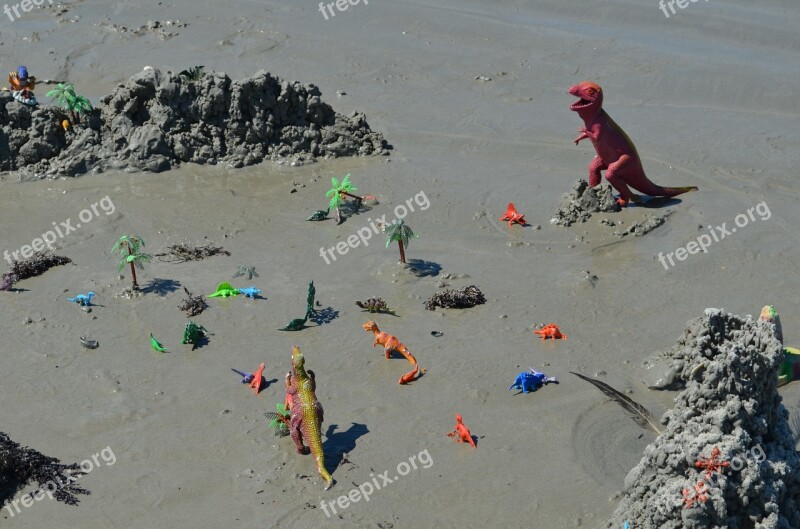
[73, 103]
[130, 247]
[399, 231]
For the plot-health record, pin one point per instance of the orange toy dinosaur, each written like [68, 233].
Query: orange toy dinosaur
[550, 331]
[391, 343]
[462, 432]
[258, 379]
[512, 215]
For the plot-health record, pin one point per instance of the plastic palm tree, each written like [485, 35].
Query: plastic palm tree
[130, 247]
[73, 103]
[399, 231]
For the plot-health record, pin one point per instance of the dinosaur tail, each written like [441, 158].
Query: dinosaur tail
[675, 191]
[319, 457]
[410, 376]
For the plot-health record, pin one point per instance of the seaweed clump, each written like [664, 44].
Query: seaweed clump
[180, 253]
[463, 298]
[36, 265]
[20, 466]
[192, 305]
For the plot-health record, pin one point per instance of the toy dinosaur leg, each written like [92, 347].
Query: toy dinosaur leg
[297, 435]
[595, 167]
[617, 175]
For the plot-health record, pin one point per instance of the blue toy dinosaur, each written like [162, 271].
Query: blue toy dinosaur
[246, 377]
[83, 299]
[251, 292]
[532, 381]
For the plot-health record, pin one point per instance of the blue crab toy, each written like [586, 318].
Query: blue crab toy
[531, 381]
[251, 292]
[83, 299]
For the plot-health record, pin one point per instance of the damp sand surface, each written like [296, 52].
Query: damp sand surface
[705, 95]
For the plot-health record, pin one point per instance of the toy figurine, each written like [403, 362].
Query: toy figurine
[258, 379]
[156, 345]
[83, 299]
[337, 194]
[300, 323]
[224, 290]
[398, 231]
[391, 343]
[531, 381]
[193, 333]
[462, 433]
[130, 248]
[246, 377]
[550, 331]
[281, 420]
[513, 216]
[374, 305]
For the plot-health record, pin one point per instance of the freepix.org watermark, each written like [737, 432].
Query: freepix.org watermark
[52, 486]
[49, 237]
[25, 5]
[341, 6]
[682, 4]
[363, 235]
[366, 489]
[716, 234]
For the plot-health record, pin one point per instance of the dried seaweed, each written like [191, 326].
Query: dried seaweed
[456, 299]
[193, 305]
[36, 265]
[20, 466]
[182, 252]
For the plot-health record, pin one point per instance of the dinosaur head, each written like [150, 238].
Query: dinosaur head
[769, 314]
[590, 99]
[370, 326]
[458, 417]
[297, 358]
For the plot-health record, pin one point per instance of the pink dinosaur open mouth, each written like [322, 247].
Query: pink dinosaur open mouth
[580, 103]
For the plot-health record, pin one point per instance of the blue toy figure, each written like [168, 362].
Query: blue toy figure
[532, 381]
[83, 299]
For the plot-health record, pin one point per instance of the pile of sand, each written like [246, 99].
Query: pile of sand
[729, 367]
[157, 120]
[578, 204]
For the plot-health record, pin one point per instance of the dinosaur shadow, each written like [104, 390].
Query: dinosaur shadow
[421, 268]
[321, 317]
[202, 341]
[338, 444]
[162, 287]
[265, 384]
[657, 202]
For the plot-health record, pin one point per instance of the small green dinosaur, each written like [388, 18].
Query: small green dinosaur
[300, 323]
[224, 290]
[156, 345]
[193, 333]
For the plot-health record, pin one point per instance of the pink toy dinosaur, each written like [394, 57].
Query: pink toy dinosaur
[616, 153]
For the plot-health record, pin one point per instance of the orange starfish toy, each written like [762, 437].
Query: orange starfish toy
[258, 379]
[512, 216]
[550, 331]
[390, 343]
[712, 464]
[462, 432]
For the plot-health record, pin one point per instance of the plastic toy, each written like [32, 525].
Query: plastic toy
[249, 271]
[616, 153]
[300, 323]
[89, 344]
[7, 281]
[531, 381]
[336, 193]
[391, 343]
[22, 86]
[462, 433]
[193, 333]
[550, 331]
[320, 214]
[281, 420]
[790, 367]
[156, 345]
[224, 290]
[258, 379]
[83, 299]
[401, 233]
[695, 494]
[130, 246]
[306, 413]
[73, 103]
[712, 464]
[374, 305]
[246, 377]
[250, 292]
[513, 216]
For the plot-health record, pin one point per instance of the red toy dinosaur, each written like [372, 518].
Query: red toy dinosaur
[512, 215]
[462, 433]
[550, 330]
[258, 379]
[616, 153]
[391, 343]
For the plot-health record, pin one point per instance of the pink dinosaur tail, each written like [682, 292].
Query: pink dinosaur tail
[675, 191]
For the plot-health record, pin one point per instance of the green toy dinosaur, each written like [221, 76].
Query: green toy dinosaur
[306, 414]
[193, 333]
[156, 345]
[224, 290]
[300, 323]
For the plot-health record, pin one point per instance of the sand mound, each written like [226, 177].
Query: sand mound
[157, 120]
[578, 204]
[729, 367]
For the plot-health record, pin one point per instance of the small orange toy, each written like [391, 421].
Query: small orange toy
[462, 432]
[712, 464]
[513, 216]
[390, 344]
[258, 379]
[695, 494]
[550, 331]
